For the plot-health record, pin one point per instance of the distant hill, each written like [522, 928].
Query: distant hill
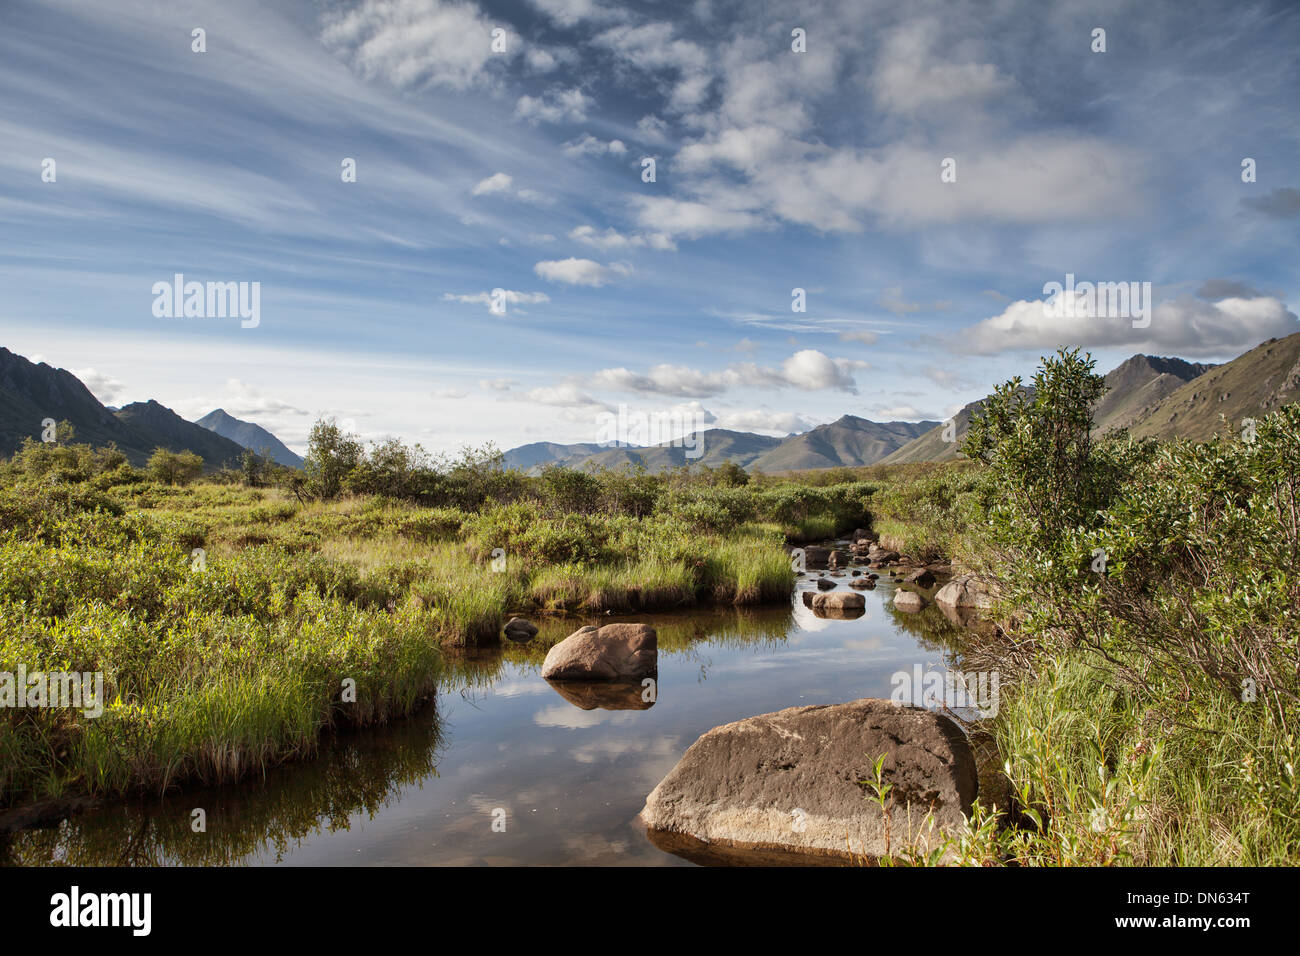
[1133, 390]
[535, 456]
[1138, 385]
[32, 392]
[1250, 386]
[849, 441]
[163, 428]
[249, 435]
[932, 445]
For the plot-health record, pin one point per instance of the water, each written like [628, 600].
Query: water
[502, 743]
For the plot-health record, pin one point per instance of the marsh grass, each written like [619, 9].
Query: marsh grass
[228, 621]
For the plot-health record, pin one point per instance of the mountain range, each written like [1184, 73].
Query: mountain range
[248, 435]
[31, 393]
[1151, 396]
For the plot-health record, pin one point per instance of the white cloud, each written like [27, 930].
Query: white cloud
[762, 420]
[905, 413]
[909, 77]
[574, 271]
[568, 13]
[104, 387]
[502, 184]
[691, 219]
[553, 106]
[417, 42]
[1185, 326]
[613, 239]
[589, 145]
[508, 296]
[564, 396]
[808, 370]
[496, 183]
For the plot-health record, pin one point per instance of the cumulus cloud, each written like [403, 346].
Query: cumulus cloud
[494, 184]
[909, 77]
[808, 370]
[589, 145]
[104, 387]
[503, 184]
[586, 272]
[613, 239]
[908, 413]
[411, 43]
[1184, 326]
[553, 106]
[764, 420]
[564, 396]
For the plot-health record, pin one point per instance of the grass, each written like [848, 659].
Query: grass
[234, 625]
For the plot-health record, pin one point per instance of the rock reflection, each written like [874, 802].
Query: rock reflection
[589, 695]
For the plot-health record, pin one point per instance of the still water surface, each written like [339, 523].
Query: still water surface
[569, 780]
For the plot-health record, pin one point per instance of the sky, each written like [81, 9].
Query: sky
[919, 170]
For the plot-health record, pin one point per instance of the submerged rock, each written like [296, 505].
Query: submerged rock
[909, 601]
[615, 652]
[825, 585]
[791, 781]
[520, 631]
[815, 557]
[924, 578]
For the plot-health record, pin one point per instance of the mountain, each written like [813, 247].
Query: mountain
[849, 441]
[1250, 386]
[933, 446]
[1138, 385]
[249, 435]
[535, 456]
[31, 393]
[1133, 390]
[164, 428]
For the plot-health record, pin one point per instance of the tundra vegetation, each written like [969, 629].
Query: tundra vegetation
[1145, 633]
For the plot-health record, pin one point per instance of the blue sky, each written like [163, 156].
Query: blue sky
[522, 171]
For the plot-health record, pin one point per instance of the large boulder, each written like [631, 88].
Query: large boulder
[792, 781]
[615, 652]
[966, 590]
[923, 578]
[815, 557]
[838, 601]
[909, 601]
[838, 559]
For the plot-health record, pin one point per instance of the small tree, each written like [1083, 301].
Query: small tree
[331, 456]
[173, 468]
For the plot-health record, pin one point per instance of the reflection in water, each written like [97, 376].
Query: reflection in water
[588, 695]
[357, 774]
[566, 766]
